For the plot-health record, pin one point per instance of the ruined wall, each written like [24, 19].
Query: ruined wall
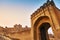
[16, 32]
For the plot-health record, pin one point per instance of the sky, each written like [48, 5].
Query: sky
[19, 11]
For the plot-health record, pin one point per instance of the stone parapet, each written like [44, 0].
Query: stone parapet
[42, 8]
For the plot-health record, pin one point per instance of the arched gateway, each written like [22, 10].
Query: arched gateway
[45, 17]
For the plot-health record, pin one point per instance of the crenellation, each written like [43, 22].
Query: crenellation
[16, 29]
[41, 21]
[45, 5]
[42, 9]
[49, 10]
[14, 32]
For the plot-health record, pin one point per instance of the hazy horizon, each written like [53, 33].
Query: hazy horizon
[19, 11]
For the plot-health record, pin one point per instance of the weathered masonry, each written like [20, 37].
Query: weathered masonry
[45, 17]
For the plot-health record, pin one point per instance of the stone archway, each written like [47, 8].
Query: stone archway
[43, 31]
[47, 13]
[41, 27]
